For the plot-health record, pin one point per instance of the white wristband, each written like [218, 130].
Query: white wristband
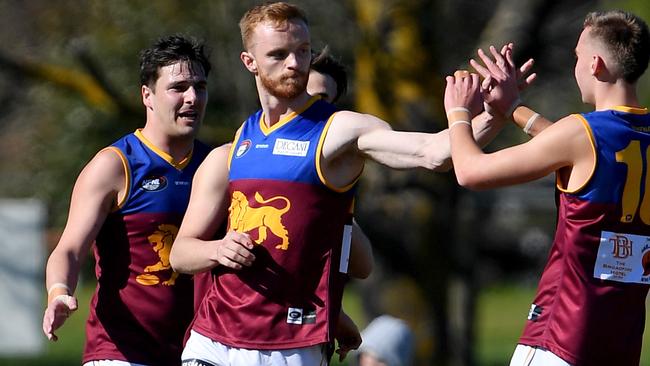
[512, 108]
[58, 285]
[459, 122]
[457, 109]
[530, 122]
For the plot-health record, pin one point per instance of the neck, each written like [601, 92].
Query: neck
[610, 95]
[178, 147]
[277, 108]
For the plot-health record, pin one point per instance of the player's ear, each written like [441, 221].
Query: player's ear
[147, 93]
[249, 61]
[597, 65]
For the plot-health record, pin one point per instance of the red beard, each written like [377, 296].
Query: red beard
[288, 86]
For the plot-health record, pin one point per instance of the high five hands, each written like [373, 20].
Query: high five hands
[499, 90]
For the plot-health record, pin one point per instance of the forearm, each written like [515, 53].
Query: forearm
[62, 273]
[191, 255]
[529, 121]
[464, 151]
[485, 127]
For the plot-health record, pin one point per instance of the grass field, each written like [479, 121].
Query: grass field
[501, 314]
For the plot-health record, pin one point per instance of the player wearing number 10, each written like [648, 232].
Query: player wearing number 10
[590, 304]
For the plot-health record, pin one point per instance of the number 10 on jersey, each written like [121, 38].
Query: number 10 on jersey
[631, 156]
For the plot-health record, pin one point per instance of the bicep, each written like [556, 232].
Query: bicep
[209, 201]
[93, 196]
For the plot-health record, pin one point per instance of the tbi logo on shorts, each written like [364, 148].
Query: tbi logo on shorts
[152, 184]
[243, 148]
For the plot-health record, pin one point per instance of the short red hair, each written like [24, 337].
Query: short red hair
[276, 13]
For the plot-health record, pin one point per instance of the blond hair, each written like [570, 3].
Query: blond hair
[276, 13]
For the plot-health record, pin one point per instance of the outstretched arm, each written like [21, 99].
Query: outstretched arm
[195, 249]
[94, 194]
[367, 136]
[522, 163]
[377, 141]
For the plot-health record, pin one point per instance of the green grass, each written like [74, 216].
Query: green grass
[501, 316]
[501, 313]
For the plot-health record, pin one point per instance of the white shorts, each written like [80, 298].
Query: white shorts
[111, 363]
[535, 356]
[203, 351]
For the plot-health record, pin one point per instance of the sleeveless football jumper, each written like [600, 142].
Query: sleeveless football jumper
[141, 307]
[290, 297]
[590, 304]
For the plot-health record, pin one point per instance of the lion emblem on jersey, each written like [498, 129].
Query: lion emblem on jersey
[162, 240]
[244, 218]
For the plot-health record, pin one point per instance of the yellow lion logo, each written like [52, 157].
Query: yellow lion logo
[244, 218]
[162, 240]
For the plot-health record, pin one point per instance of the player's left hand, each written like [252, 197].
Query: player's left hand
[502, 79]
[57, 312]
[347, 336]
[464, 92]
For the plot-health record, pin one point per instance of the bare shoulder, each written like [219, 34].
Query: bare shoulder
[213, 171]
[347, 127]
[102, 182]
[218, 157]
[106, 169]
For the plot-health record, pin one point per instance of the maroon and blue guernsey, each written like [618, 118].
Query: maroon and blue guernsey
[590, 304]
[290, 297]
[141, 307]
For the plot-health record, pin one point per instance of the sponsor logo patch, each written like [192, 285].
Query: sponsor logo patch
[294, 316]
[309, 317]
[152, 184]
[290, 147]
[243, 148]
[301, 316]
[623, 257]
[535, 312]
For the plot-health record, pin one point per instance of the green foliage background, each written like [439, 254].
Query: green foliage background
[69, 86]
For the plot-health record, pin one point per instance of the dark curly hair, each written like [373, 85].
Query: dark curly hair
[324, 63]
[170, 50]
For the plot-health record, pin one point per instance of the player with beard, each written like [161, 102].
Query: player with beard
[293, 169]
